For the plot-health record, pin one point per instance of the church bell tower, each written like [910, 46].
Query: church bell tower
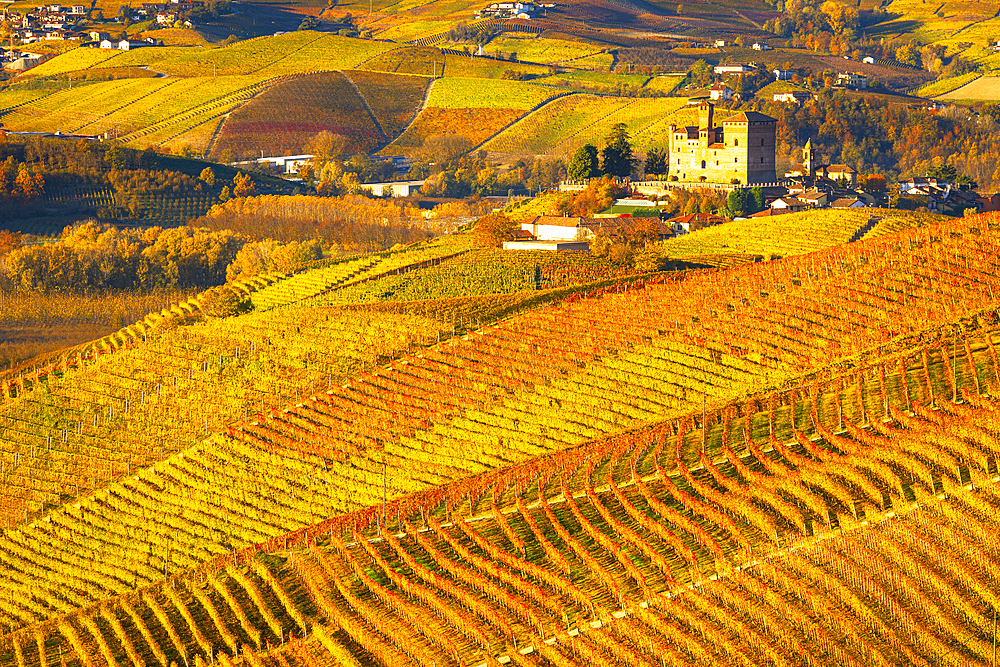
[808, 160]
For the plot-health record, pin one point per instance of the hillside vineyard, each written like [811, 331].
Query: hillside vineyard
[532, 386]
[820, 526]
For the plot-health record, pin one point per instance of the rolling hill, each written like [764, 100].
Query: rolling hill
[816, 483]
[263, 427]
[282, 119]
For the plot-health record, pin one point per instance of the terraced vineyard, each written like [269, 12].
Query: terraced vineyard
[525, 562]
[477, 125]
[480, 272]
[323, 103]
[428, 61]
[394, 99]
[793, 233]
[566, 123]
[687, 466]
[364, 270]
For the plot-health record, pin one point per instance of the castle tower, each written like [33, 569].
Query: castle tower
[706, 116]
[808, 159]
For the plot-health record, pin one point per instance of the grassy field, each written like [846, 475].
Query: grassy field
[177, 37]
[413, 30]
[596, 80]
[76, 59]
[947, 85]
[982, 88]
[793, 233]
[429, 61]
[554, 122]
[663, 84]
[464, 93]
[39, 324]
[291, 53]
[544, 50]
[129, 106]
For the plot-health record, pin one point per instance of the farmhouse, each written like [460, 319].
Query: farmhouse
[733, 69]
[720, 92]
[393, 189]
[793, 96]
[783, 74]
[741, 150]
[761, 46]
[508, 10]
[554, 229]
[789, 204]
[852, 80]
[847, 202]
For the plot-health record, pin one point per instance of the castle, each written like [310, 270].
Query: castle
[740, 150]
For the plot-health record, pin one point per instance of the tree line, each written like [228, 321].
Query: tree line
[91, 255]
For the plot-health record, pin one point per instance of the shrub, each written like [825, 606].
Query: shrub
[222, 301]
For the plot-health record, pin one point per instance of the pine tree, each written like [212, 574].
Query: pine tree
[584, 164]
[616, 157]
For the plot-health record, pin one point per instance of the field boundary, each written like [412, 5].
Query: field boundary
[364, 102]
[522, 117]
[235, 97]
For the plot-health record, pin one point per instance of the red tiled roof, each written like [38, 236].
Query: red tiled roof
[749, 116]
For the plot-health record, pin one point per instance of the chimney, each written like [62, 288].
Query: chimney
[706, 116]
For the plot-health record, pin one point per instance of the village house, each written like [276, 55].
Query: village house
[989, 203]
[847, 202]
[556, 228]
[854, 80]
[783, 74]
[552, 229]
[814, 198]
[685, 223]
[508, 10]
[923, 184]
[720, 44]
[720, 92]
[793, 96]
[810, 172]
[789, 204]
[769, 212]
[733, 69]
[761, 46]
[740, 150]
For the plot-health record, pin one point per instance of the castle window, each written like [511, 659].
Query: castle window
[736, 141]
[762, 141]
[762, 160]
[736, 159]
[702, 164]
[716, 163]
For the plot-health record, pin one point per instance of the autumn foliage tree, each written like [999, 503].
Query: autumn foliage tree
[493, 229]
[598, 195]
[243, 186]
